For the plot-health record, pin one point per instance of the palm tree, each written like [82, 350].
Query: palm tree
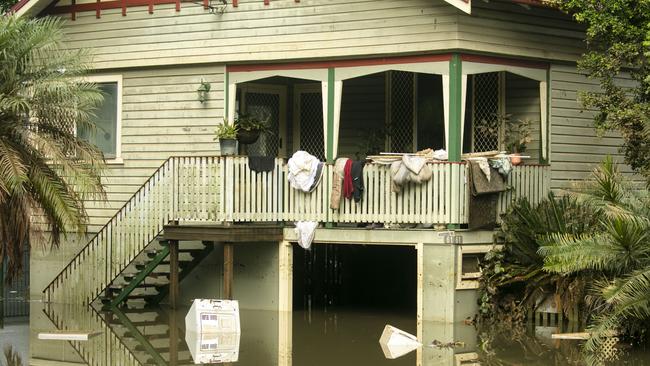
[619, 250]
[46, 171]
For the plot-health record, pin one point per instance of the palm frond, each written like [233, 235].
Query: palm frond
[45, 169]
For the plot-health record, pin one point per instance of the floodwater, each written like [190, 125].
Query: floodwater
[336, 337]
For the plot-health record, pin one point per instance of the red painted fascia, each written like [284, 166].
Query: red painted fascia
[103, 5]
[18, 5]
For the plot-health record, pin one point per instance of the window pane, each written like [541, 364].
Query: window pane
[104, 136]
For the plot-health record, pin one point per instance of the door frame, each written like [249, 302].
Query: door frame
[298, 90]
[277, 89]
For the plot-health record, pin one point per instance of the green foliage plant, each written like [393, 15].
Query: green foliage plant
[46, 171]
[226, 131]
[617, 48]
[517, 135]
[619, 250]
[513, 278]
[252, 123]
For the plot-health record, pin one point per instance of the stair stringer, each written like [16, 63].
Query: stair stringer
[120, 241]
[106, 349]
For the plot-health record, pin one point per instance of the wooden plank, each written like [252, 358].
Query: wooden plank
[69, 335]
[174, 281]
[228, 258]
[574, 336]
[217, 233]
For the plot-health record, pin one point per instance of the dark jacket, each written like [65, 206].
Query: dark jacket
[357, 180]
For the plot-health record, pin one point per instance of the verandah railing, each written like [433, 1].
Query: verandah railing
[268, 197]
[526, 181]
[224, 189]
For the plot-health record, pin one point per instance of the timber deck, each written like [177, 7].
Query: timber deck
[224, 233]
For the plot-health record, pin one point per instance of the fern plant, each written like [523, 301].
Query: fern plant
[619, 250]
[516, 275]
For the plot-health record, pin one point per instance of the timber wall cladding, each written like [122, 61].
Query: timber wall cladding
[510, 29]
[161, 117]
[314, 29]
[576, 148]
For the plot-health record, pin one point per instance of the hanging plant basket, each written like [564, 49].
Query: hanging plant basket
[247, 137]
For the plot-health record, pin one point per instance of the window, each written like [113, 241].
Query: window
[468, 269]
[106, 135]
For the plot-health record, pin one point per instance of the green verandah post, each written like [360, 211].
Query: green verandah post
[454, 150]
[455, 95]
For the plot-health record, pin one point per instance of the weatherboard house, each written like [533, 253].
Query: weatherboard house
[336, 79]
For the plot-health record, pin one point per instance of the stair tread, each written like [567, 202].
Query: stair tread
[141, 285]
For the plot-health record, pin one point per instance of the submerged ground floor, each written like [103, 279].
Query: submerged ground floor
[429, 274]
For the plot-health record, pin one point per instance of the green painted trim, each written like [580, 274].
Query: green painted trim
[124, 294]
[548, 121]
[330, 115]
[227, 94]
[455, 114]
[163, 291]
[139, 337]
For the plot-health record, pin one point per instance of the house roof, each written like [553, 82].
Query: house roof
[31, 7]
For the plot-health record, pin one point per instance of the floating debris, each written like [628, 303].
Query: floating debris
[573, 336]
[68, 335]
[436, 343]
[396, 343]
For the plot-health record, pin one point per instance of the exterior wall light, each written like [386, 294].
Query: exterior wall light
[203, 90]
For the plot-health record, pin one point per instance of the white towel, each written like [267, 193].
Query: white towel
[305, 231]
[302, 170]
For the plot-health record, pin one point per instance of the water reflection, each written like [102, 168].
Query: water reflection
[157, 336]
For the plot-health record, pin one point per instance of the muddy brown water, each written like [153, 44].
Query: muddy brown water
[336, 337]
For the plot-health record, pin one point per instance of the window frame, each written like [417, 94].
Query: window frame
[112, 78]
[470, 283]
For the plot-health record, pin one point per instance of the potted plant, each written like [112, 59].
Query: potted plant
[226, 133]
[249, 128]
[518, 136]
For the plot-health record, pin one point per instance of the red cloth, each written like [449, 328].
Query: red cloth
[348, 187]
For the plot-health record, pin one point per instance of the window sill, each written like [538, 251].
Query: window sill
[115, 161]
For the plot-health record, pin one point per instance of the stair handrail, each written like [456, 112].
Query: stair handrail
[108, 223]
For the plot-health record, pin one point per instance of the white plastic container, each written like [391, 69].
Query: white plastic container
[212, 316]
[212, 331]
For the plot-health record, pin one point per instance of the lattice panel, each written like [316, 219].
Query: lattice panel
[311, 124]
[486, 126]
[402, 111]
[263, 106]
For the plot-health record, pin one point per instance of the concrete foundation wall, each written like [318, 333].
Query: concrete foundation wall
[206, 280]
[46, 263]
[255, 279]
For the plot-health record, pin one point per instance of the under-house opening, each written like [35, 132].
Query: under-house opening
[355, 277]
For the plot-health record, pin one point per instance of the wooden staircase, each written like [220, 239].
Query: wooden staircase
[126, 247]
[147, 278]
[152, 335]
[106, 349]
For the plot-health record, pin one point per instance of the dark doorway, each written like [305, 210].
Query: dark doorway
[359, 277]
